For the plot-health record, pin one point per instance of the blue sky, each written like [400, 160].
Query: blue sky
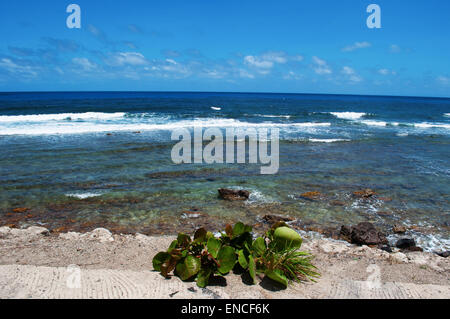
[248, 46]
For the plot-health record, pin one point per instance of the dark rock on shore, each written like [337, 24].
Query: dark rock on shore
[444, 254]
[231, 194]
[404, 243]
[386, 248]
[363, 234]
[272, 219]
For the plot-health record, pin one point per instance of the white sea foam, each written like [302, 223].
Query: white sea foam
[447, 114]
[60, 117]
[83, 195]
[432, 125]
[123, 124]
[348, 115]
[328, 140]
[273, 116]
[215, 108]
[374, 123]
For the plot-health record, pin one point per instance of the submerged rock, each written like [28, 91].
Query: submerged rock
[21, 210]
[272, 219]
[311, 195]
[364, 233]
[398, 229]
[365, 193]
[231, 194]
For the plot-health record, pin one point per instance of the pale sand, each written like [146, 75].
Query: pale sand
[33, 264]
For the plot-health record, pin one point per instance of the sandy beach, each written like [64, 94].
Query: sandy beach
[35, 263]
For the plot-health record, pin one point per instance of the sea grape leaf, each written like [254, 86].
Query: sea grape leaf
[238, 229]
[242, 259]
[259, 246]
[168, 266]
[200, 235]
[172, 246]
[188, 268]
[277, 276]
[252, 268]
[203, 277]
[213, 246]
[226, 258]
[159, 259]
[183, 240]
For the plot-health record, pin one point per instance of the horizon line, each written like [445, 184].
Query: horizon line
[231, 92]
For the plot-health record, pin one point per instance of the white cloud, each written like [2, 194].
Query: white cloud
[258, 62]
[321, 66]
[291, 75]
[245, 74]
[266, 61]
[357, 45]
[171, 61]
[85, 64]
[386, 72]
[351, 74]
[126, 58]
[277, 57]
[444, 80]
[22, 70]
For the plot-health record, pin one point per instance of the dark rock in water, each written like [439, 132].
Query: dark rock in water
[386, 248]
[398, 229]
[231, 194]
[337, 203]
[444, 254]
[405, 243]
[363, 234]
[272, 219]
[365, 193]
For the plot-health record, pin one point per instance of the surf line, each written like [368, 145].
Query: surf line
[213, 152]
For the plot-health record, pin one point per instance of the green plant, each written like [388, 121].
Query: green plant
[276, 255]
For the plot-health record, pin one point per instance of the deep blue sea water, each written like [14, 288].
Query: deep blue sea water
[103, 158]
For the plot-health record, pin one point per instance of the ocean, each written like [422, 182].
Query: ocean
[79, 160]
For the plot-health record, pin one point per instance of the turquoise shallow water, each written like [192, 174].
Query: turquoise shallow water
[85, 159]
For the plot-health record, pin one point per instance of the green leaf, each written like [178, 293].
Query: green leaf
[286, 238]
[238, 229]
[172, 246]
[259, 246]
[226, 258]
[242, 259]
[278, 276]
[183, 240]
[203, 277]
[188, 268]
[200, 235]
[213, 246]
[252, 268]
[159, 259]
